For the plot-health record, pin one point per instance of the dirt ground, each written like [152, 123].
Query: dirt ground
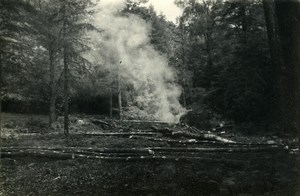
[214, 173]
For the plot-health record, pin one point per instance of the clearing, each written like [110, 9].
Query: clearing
[110, 157]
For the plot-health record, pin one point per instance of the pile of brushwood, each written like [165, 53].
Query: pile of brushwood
[110, 157]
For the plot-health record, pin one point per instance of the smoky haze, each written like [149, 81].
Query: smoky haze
[125, 48]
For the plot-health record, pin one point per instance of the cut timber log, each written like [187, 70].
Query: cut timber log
[117, 158]
[147, 122]
[26, 152]
[209, 155]
[165, 131]
[124, 134]
[78, 149]
[192, 129]
[103, 124]
[206, 142]
[191, 141]
[229, 126]
[87, 134]
[149, 150]
[202, 136]
[225, 149]
[19, 135]
[198, 135]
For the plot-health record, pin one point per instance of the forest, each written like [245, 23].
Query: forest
[83, 81]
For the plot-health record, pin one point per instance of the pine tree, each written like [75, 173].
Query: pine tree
[15, 53]
[74, 26]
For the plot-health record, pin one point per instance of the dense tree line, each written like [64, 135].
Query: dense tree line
[229, 55]
[236, 60]
[242, 53]
[38, 36]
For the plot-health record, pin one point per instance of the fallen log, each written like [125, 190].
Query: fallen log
[77, 152]
[206, 142]
[103, 124]
[192, 129]
[146, 121]
[191, 141]
[218, 149]
[87, 134]
[149, 150]
[17, 135]
[207, 136]
[164, 131]
[78, 149]
[129, 158]
[229, 126]
[125, 134]
[33, 154]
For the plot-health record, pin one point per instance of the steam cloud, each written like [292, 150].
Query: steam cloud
[125, 39]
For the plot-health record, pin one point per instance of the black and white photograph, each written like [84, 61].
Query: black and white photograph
[149, 97]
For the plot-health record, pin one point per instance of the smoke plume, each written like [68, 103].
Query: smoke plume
[125, 47]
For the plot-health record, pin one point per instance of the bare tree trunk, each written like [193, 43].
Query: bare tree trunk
[66, 77]
[288, 17]
[119, 94]
[0, 116]
[208, 40]
[1, 93]
[110, 102]
[183, 54]
[280, 113]
[52, 115]
[270, 18]
[243, 10]
[183, 83]
[66, 93]
[296, 60]
[183, 96]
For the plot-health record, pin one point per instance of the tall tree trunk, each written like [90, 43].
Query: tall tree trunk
[243, 10]
[183, 95]
[279, 112]
[110, 102]
[119, 94]
[52, 115]
[272, 30]
[66, 76]
[1, 94]
[296, 62]
[183, 82]
[208, 40]
[288, 22]
[66, 92]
